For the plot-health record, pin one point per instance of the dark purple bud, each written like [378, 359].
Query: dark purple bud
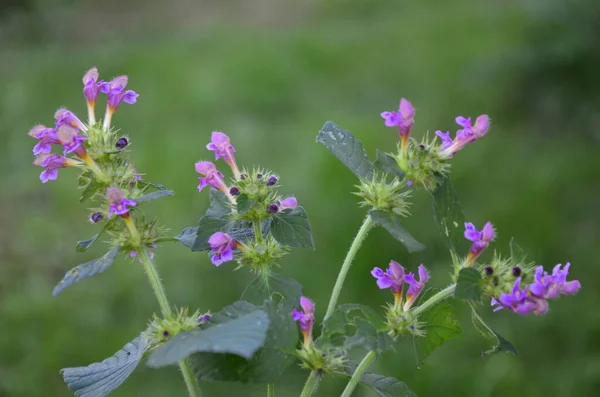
[243, 176]
[166, 333]
[422, 147]
[489, 270]
[259, 176]
[272, 209]
[122, 142]
[234, 191]
[204, 318]
[272, 180]
[516, 271]
[96, 217]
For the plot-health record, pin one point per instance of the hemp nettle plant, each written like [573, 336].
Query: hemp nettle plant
[248, 221]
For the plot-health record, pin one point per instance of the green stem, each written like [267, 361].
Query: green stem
[312, 383]
[435, 299]
[358, 373]
[257, 231]
[358, 240]
[271, 390]
[159, 291]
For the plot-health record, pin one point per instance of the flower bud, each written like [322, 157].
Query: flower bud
[121, 143]
[272, 209]
[272, 180]
[96, 217]
[489, 270]
[516, 271]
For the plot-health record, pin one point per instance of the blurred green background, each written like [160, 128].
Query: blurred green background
[269, 74]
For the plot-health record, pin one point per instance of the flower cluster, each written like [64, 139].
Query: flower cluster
[395, 277]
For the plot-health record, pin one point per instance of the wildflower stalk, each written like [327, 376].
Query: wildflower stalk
[435, 299]
[358, 240]
[358, 373]
[271, 390]
[312, 383]
[257, 231]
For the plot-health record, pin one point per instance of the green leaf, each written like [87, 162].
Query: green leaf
[440, 325]
[268, 364]
[241, 336]
[291, 227]
[391, 223]
[388, 164]
[353, 325]
[154, 195]
[517, 253]
[383, 386]
[347, 149]
[90, 189]
[83, 245]
[99, 379]
[219, 204]
[187, 236]
[501, 344]
[447, 213]
[287, 290]
[468, 284]
[86, 270]
[244, 203]
[206, 228]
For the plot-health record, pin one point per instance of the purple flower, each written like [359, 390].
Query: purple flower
[70, 139]
[116, 93]
[415, 287]
[118, 203]
[221, 145]
[91, 87]
[51, 164]
[306, 318]
[392, 278]
[481, 239]
[47, 137]
[469, 133]
[204, 318]
[286, 203]
[66, 117]
[221, 248]
[518, 300]
[547, 286]
[403, 118]
[212, 176]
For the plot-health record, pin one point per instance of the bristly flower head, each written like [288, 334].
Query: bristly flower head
[306, 318]
[118, 203]
[287, 203]
[403, 118]
[392, 278]
[51, 164]
[47, 137]
[415, 287]
[212, 176]
[221, 145]
[221, 248]
[469, 133]
[481, 239]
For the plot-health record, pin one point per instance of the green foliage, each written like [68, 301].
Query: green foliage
[244, 203]
[468, 284]
[86, 270]
[291, 227]
[347, 149]
[275, 287]
[391, 223]
[500, 343]
[517, 254]
[440, 324]
[447, 213]
[154, 195]
[383, 386]
[91, 186]
[353, 325]
[268, 364]
[242, 335]
[388, 164]
[99, 379]
[84, 245]
[219, 204]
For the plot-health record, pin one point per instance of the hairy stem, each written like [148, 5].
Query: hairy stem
[161, 296]
[312, 383]
[435, 299]
[257, 231]
[339, 283]
[271, 390]
[358, 373]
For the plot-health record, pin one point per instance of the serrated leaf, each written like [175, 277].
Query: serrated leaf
[447, 213]
[154, 195]
[86, 270]
[219, 204]
[187, 236]
[391, 223]
[291, 227]
[347, 149]
[244, 203]
[501, 344]
[267, 365]
[285, 290]
[242, 336]
[389, 165]
[90, 189]
[517, 254]
[99, 379]
[468, 285]
[383, 386]
[440, 325]
[353, 325]
[83, 245]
